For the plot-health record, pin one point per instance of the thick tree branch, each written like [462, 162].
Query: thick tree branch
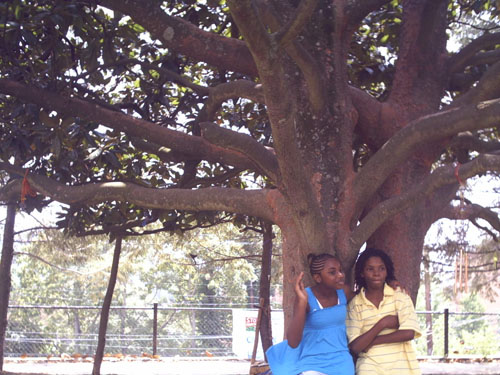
[421, 62]
[307, 65]
[217, 95]
[467, 141]
[296, 24]
[316, 88]
[487, 88]
[254, 32]
[280, 105]
[485, 58]
[247, 202]
[425, 130]
[234, 89]
[458, 62]
[165, 154]
[185, 38]
[134, 127]
[441, 177]
[472, 212]
[462, 81]
[368, 109]
[305, 62]
[264, 159]
[209, 181]
[282, 110]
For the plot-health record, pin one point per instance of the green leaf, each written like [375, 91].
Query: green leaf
[17, 12]
[138, 28]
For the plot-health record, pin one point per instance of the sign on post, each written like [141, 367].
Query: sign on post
[244, 322]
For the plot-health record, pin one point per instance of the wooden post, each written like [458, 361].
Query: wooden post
[446, 315]
[257, 330]
[155, 327]
[260, 368]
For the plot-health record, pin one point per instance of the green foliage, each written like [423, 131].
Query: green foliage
[199, 268]
[106, 57]
[216, 263]
[79, 48]
[209, 268]
[470, 332]
[482, 270]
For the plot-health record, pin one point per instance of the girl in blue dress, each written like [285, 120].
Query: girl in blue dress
[317, 340]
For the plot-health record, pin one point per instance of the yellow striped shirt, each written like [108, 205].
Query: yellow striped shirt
[397, 358]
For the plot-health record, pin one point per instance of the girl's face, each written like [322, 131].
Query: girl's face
[374, 272]
[331, 275]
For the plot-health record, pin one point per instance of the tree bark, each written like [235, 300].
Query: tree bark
[103, 324]
[5, 279]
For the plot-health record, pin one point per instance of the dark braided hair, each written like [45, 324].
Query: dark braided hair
[317, 262]
[370, 252]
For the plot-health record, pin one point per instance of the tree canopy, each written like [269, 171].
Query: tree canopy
[342, 122]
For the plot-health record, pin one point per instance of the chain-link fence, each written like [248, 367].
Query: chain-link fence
[169, 331]
[52, 330]
[446, 333]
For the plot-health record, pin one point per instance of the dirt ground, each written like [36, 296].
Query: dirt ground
[203, 366]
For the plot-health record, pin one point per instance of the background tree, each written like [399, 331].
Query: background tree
[342, 122]
[5, 267]
[464, 267]
[54, 269]
[460, 273]
[106, 305]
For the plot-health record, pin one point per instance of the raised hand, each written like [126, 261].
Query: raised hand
[300, 290]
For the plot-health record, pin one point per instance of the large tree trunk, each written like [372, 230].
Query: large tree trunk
[103, 324]
[5, 280]
[402, 237]
[293, 264]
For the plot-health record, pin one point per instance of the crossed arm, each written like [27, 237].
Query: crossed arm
[372, 337]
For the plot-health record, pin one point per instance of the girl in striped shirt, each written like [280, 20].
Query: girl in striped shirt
[381, 321]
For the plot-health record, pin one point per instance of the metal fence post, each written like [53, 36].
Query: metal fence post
[155, 327]
[446, 315]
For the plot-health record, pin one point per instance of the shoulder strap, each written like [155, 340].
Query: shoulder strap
[313, 302]
[342, 297]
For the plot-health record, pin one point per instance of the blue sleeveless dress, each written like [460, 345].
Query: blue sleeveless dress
[324, 343]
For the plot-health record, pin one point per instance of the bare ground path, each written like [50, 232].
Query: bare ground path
[203, 366]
